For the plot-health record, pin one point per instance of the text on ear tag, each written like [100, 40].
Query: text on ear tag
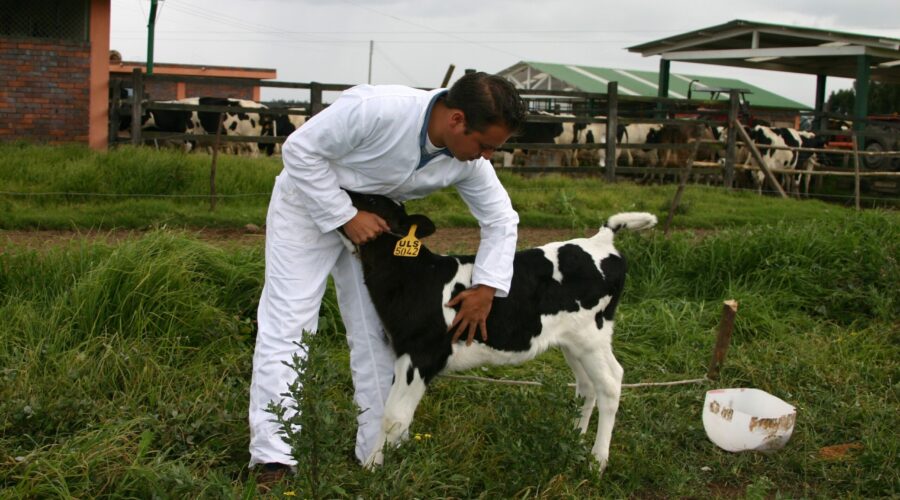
[409, 245]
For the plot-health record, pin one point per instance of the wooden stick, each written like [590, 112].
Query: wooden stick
[856, 170]
[723, 338]
[447, 76]
[612, 125]
[137, 98]
[684, 178]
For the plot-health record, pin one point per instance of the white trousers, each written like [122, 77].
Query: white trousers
[299, 259]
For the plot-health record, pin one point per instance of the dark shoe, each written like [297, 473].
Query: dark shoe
[270, 474]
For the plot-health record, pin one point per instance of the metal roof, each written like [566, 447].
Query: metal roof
[549, 76]
[749, 44]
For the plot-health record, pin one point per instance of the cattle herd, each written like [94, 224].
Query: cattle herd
[656, 137]
[241, 123]
[247, 123]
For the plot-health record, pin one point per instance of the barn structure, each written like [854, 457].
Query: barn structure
[794, 49]
[540, 76]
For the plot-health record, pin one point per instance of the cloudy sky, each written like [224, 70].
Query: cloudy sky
[416, 40]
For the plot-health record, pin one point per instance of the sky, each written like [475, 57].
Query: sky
[415, 41]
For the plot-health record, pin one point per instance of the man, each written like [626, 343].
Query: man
[402, 143]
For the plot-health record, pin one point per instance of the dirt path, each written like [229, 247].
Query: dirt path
[449, 240]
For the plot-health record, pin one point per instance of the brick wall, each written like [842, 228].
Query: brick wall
[165, 91]
[160, 91]
[44, 90]
[218, 90]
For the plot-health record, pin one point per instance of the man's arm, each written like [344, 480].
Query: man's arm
[309, 151]
[492, 275]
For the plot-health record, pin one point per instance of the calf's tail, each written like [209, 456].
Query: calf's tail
[635, 221]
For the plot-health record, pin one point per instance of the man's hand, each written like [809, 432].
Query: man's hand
[472, 316]
[365, 226]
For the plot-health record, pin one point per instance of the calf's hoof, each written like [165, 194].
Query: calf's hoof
[376, 459]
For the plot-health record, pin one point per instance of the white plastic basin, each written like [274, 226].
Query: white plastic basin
[747, 419]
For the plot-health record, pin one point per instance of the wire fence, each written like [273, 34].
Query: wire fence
[131, 195]
[25, 194]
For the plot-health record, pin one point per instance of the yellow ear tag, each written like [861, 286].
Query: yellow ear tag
[409, 245]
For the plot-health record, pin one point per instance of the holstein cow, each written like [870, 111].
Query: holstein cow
[562, 294]
[543, 133]
[562, 133]
[595, 133]
[285, 125]
[705, 152]
[672, 157]
[641, 133]
[235, 123]
[165, 120]
[742, 153]
[774, 158]
[804, 161]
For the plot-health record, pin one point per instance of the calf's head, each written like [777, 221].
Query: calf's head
[394, 213]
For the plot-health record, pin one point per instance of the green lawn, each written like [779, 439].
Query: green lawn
[125, 366]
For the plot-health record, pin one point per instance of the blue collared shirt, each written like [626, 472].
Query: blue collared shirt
[425, 156]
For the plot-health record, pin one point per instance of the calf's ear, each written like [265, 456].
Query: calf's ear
[424, 225]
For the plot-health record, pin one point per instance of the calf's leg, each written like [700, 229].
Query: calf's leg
[583, 388]
[406, 392]
[606, 374]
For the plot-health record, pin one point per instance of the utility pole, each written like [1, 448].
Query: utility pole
[151, 27]
[371, 48]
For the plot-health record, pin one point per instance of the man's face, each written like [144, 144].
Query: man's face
[468, 144]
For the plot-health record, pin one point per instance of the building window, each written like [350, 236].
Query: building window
[55, 19]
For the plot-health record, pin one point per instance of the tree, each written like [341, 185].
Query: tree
[884, 99]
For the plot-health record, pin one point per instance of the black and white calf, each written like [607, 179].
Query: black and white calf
[562, 294]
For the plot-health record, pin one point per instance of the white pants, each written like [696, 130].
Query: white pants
[299, 259]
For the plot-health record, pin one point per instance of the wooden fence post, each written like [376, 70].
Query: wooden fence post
[856, 168]
[315, 98]
[686, 173]
[731, 149]
[137, 98]
[212, 167]
[612, 123]
[723, 338]
[115, 104]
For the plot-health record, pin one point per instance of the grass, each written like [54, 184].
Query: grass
[125, 366]
[138, 188]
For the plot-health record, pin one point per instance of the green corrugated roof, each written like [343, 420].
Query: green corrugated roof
[644, 83]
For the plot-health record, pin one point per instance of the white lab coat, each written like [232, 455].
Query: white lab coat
[366, 141]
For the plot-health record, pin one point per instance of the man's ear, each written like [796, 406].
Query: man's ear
[457, 117]
[424, 225]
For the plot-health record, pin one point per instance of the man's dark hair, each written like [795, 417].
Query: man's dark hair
[487, 100]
